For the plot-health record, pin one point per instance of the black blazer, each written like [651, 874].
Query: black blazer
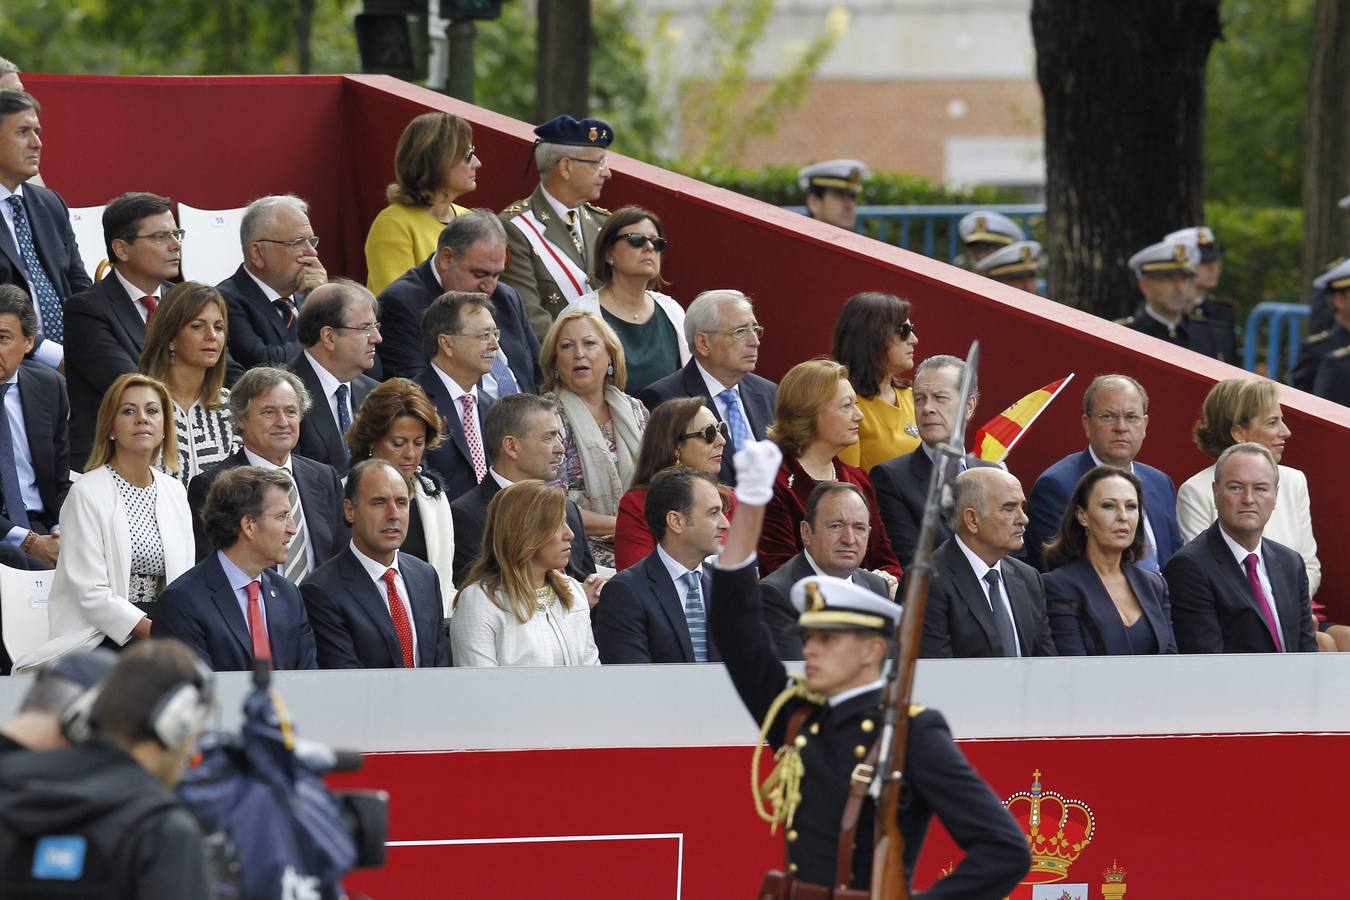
[201, 610]
[469, 514]
[42, 391]
[1214, 607]
[320, 496]
[350, 615]
[405, 301]
[319, 437]
[49, 219]
[640, 618]
[958, 621]
[775, 590]
[757, 399]
[258, 335]
[1084, 620]
[902, 490]
[451, 460]
[105, 334]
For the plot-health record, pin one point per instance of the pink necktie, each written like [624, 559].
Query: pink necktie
[1262, 601]
[400, 617]
[151, 303]
[257, 625]
[471, 436]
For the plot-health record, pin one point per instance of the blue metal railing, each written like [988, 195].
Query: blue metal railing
[1283, 322]
[931, 230]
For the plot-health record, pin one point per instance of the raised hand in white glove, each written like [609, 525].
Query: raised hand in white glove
[756, 468]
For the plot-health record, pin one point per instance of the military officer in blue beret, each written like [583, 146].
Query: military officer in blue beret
[1207, 307]
[828, 723]
[832, 188]
[1165, 275]
[1017, 265]
[552, 232]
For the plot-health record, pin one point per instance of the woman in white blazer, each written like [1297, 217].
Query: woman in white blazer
[126, 529]
[397, 422]
[517, 608]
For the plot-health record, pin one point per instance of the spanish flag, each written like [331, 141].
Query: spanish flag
[996, 438]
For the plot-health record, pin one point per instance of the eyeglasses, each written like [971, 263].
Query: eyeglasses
[601, 163]
[638, 241]
[1107, 418]
[160, 237]
[743, 333]
[294, 244]
[904, 329]
[491, 334]
[709, 433]
[469, 154]
[366, 330]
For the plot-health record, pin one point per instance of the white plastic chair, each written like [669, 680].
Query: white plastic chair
[211, 251]
[87, 223]
[23, 609]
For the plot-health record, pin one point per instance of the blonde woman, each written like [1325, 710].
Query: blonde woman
[517, 608]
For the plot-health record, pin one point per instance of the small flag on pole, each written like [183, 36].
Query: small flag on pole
[996, 438]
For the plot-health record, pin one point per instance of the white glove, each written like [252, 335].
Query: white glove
[757, 466]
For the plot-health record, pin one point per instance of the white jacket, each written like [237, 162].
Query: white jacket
[664, 303]
[484, 634]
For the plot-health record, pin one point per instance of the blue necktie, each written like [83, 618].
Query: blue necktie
[48, 303]
[505, 378]
[693, 614]
[740, 437]
[344, 418]
[15, 509]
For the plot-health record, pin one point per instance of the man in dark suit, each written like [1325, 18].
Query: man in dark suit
[470, 257]
[902, 483]
[370, 606]
[106, 324]
[723, 337]
[981, 602]
[1233, 591]
[267, 405]
[339, 329]
[34, 459]
[656, 611]
[459, 336]
[834, 542]
[524, 438]
[1115, 419]
[232, 607]
[280, 265]
[37, 245]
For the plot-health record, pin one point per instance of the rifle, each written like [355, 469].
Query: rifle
[888, 857]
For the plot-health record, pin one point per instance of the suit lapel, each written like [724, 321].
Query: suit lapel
[46, 236]
[441, 398]
[222, 595]
[372, 603]
[968, 589]
[12, 251]
[426, 608]
[1021, 607]
[669, 600]
[1236, 578]
[266, 311]
[124, 310]
[1152, 611]
[320, 416]
[1284, 584]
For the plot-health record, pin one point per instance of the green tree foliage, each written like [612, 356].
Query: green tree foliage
[1256, 86]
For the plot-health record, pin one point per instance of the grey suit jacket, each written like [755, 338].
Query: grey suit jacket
[779, 613]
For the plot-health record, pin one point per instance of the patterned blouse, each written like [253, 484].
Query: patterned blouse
[147, 549]
[205, 437]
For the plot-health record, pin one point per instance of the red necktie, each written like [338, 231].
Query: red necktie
[400, 617]
[151, 304]
[1262, 601]
[472, 439]
[257, 625]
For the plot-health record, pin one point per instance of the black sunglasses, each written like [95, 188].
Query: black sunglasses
[904, 329]
[638, 241]
[709, 433]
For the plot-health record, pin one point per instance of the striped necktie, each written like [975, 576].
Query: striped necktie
[48, 302]
[575, 231]
[695, 616]
[297, 556]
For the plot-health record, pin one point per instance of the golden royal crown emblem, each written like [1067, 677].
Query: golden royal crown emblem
[593, 134]
[1057, 830]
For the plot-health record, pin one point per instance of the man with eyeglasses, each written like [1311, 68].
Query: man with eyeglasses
[470, 256]
[108, 322]
[281, 264]
[339, 329]
[1115, 418]
[553, 231]
[723, 337]
[37, 245]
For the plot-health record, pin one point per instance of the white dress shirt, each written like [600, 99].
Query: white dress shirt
[23, 461]
[256, 460]
[852, 692]
[677, 571]
[136, 294]
[715, 388]
[982, 569]
[455, 393]
[376, 572]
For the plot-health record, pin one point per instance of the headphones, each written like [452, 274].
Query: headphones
[172, 720]
[77, 719]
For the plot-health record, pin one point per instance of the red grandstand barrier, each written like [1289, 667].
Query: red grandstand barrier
[220, 141]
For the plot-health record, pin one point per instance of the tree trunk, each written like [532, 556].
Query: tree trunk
[563, 76]
[304, 21]
[1124, 92]
[1326, 141]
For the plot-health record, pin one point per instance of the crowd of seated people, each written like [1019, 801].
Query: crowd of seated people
[518, 451]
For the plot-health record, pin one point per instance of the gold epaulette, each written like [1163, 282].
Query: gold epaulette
[600, 209]
[915, 709]
[1127, 321]
[1320, 336]
[516, 208]
[1338, 354]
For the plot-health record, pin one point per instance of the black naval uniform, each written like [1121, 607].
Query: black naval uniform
[1333, 377]
[1314, 350]
[1221, 314]
[1199, 335]
[938, 779]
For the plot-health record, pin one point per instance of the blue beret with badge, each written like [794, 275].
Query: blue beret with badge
[572, 132]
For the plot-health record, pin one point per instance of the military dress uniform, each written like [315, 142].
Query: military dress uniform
[1335, 278]
[832, 739]
[1167, 258]
[550, 263]
[1219, 312]
[1016, 262]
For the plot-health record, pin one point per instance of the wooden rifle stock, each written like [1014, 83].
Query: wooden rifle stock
[888, 855]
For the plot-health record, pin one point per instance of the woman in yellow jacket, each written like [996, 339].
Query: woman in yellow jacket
[875, 339]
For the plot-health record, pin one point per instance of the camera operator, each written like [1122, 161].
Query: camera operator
[38, 725]
[98, 818]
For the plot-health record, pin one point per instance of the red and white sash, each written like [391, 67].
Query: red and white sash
[567, 275]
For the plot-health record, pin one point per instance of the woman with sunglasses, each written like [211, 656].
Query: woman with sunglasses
[627, 268]
[434, 165]
[875, 339]
[681, 432]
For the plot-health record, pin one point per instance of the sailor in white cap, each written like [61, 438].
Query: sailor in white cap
[1016, 265]
[984, 231]
[1219, 311]
[1323, 360]
[832, 188]
[1165, 274]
